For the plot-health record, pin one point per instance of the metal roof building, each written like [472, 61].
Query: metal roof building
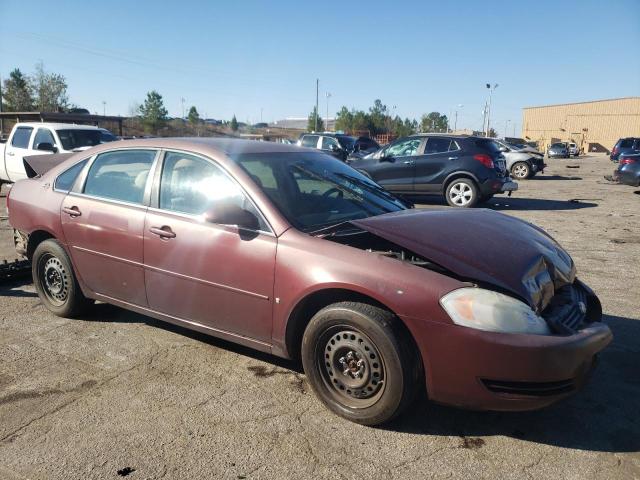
[594, 126]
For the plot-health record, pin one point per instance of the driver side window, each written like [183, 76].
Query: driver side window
[327, 142]
[404, 148]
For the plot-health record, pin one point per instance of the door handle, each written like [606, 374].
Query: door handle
[73, 212]
[452, 158]
[164, 232]
[409, 162]
[11, 154]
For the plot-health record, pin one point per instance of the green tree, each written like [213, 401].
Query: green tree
[50, 90]
[344, 120]
[434, 122]
[17, 93]
[152, 112]
[378, 117]
[404, 128]
[234, 124]
[493, 133]
[193, 116]
[311, 122]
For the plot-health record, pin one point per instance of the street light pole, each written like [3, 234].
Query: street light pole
[182, 101]
[455, 123]
[506, 122]
[104, 108]
[491, 89]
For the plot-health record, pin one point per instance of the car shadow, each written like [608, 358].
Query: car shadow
[512, 203]
[13, 288]
[553, 177]
[601, 417]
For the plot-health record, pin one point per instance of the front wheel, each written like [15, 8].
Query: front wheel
[55, 281]
[361, 362]
[521, 170]
[462, 192]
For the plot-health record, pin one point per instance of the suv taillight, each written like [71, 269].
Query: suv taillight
[615, 150]
[623, 161]
[484, 159]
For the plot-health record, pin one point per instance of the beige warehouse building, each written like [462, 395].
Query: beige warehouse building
[593, 126]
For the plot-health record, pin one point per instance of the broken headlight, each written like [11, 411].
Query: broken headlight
[492, 311]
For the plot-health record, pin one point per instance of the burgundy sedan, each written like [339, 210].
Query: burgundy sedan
[290, 251]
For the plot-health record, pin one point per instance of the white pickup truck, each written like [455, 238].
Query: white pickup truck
[35, 138]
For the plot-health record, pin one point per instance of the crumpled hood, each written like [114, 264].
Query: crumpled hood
[483, 246]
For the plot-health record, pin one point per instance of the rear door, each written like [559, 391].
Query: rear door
[439, 158]
[16, 149]
[103, 222]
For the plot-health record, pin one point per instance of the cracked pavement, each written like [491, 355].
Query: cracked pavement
[120, 392]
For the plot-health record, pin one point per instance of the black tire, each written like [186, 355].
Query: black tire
[56, 282]
[462, 192]
[382, 365]
[521, 170]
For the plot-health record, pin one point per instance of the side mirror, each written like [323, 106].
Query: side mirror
[229, 213]
[46, 147]
[384, 157]
[333, 147]
[504, 149]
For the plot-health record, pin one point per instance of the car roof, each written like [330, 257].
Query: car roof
[211, 145]
[60, 126]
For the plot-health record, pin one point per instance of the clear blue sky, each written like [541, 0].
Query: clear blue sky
[243, 56]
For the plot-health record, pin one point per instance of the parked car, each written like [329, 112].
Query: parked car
[521, 164]
[465, 170]
[628, 171]
[35, 138]
[337, 144]
[292, 252]
[520, 145]
[558, 150]
[629, 145]
[574, 150]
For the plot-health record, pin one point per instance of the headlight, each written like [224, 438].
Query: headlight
[492, 311]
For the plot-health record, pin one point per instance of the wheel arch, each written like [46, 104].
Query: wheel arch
[460, 174]
[315, 301]
[36, 238]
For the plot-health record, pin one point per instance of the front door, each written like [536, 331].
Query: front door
[396, 165]
[215, 275]
[103, 224]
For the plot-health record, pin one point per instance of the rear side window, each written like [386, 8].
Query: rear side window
[626, 143]
[310, 141]
[488, 145]
[437, 145]
[66, 179]
[120, 175]
[21, 137]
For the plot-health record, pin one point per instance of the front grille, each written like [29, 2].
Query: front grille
[532, 389]
[567, 311]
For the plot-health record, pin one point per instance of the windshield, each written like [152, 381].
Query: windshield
[314, 191]
[81, 138]
[557, 145]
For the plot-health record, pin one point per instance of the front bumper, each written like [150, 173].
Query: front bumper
[495, 371]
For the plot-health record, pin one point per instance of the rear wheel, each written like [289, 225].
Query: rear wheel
[521, 170]
[361, 362]
[462, 192]
[55, 281]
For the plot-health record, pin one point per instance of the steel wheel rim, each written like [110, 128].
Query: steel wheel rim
[520, 171]
[460, 194]
[351, 366]
[54, 279]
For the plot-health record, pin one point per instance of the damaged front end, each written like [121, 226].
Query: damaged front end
[485, 249]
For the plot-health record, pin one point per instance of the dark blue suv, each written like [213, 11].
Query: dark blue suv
[464, 169]
[629, 145]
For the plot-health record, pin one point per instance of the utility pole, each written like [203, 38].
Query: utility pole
[104, 108]
[315, 129]
[182, 101]
[261, 114]
[514, 129]
[506, 122]
[1, 120]
[455, 123]
[326, 124]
